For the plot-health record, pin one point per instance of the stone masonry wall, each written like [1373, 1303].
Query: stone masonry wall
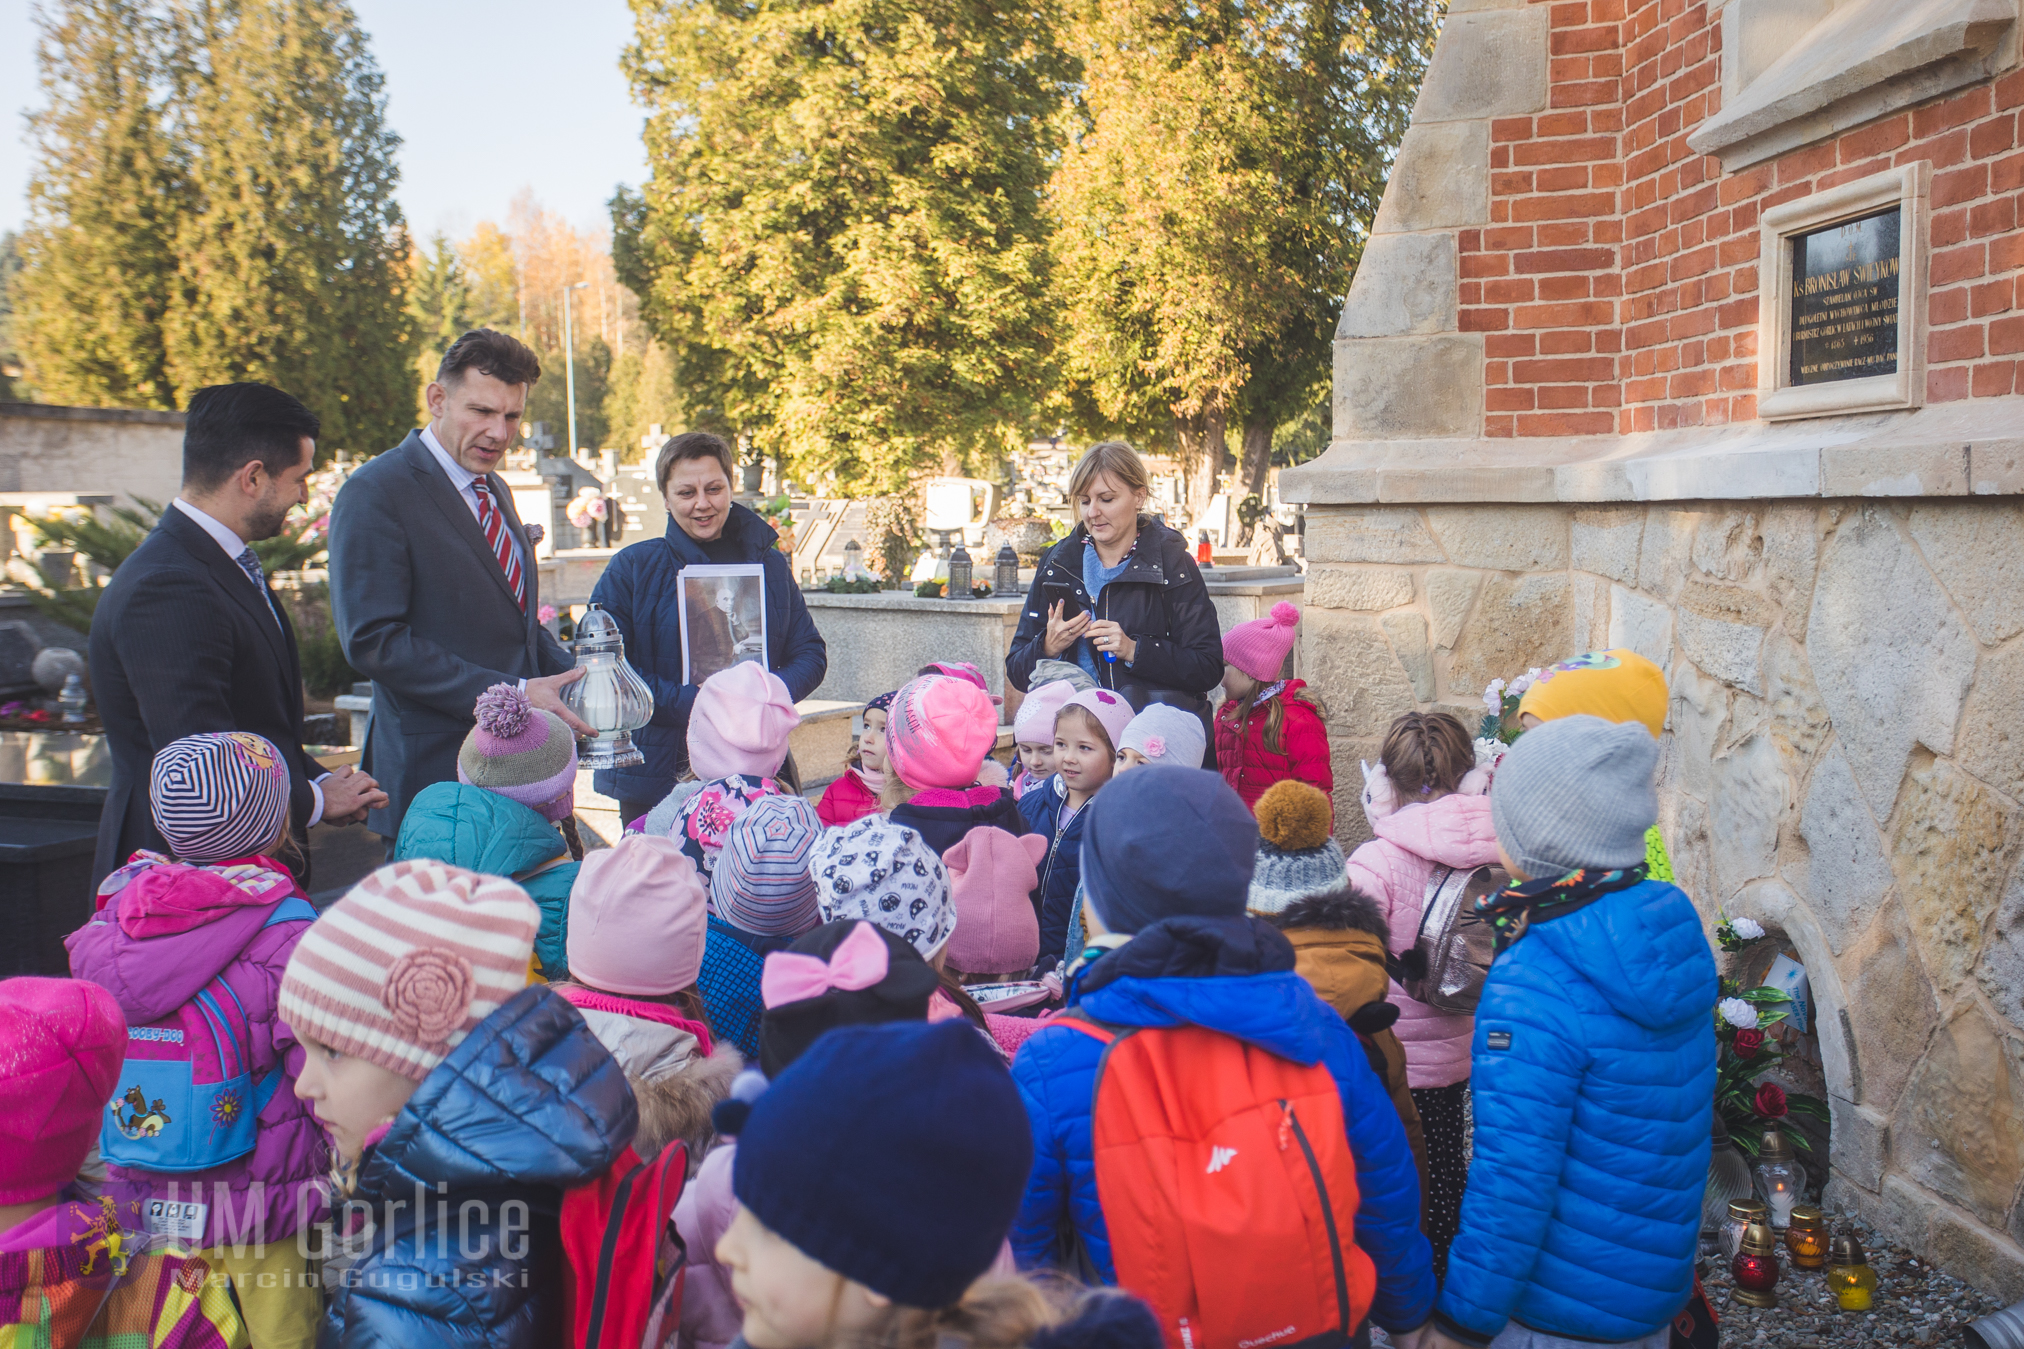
[1844, 760]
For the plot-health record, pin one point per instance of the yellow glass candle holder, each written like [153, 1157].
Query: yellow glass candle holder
[1849, 1275]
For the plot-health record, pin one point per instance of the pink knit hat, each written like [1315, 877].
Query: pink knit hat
[521, 752]
[1110, 709]
[991, 877]
[1034, 724]
[964, 670]
[1259, 648]
[61, 1045]
[739, 723]
[637, 919]
[938, 732]
[408, 963]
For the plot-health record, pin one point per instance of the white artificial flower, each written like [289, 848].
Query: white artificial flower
[1749, 929]
[1490, 752]
[1738, 1013]
[1525, 681]
[1493, 696]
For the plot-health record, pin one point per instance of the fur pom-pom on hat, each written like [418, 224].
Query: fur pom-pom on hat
[1292, 815]
[503, 710]
[520, 752]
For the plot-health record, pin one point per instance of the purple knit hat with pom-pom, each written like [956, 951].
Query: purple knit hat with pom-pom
[520, 752]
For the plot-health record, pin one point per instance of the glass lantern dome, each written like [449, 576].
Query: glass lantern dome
[611, 697]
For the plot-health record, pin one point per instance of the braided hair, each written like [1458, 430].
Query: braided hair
[1426, 755]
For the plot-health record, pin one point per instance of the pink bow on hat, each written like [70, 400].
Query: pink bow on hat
[859, 961]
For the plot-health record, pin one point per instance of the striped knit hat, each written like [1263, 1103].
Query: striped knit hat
[520, 752]
[762, 882]
[219, 796]
[408, 963]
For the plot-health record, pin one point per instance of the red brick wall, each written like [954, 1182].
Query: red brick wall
[1616, 283]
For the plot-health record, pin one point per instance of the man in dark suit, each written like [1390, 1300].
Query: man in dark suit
[187, 638]
[432, 575]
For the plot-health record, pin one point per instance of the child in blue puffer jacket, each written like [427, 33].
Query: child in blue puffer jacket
[1167, 856]
[1592, 1064]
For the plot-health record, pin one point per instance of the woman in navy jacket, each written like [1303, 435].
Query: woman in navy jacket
[640, 587]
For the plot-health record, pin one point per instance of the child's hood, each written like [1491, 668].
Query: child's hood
[648, 1039]
[1454, 831]
[1642, 949]
[529, 1099]
[173, 929]
[470, 827]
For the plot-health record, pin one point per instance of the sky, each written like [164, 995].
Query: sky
[539, 80]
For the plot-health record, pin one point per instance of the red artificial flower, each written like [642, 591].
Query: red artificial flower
[39, 714]
[1771, 1100]
[1748, 1042]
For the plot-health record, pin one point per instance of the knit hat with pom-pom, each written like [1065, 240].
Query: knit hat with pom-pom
[1259, 648]
[521, 752]
[1297, 855]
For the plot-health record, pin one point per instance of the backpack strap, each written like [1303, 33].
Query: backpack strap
[294, 909]
[1094, 1029]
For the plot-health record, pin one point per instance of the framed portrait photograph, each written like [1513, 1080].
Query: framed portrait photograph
[723, 615]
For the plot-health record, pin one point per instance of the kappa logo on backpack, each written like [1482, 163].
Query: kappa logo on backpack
[626, 1262]
[1228, 1190]
[187, 1098]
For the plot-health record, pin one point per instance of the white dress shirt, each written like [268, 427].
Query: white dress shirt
[233, 546]
[461, 478]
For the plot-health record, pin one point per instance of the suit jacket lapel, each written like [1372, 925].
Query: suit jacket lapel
[457, 512]
[238, 586]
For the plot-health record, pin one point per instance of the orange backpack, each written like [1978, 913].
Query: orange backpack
[1228, 1189]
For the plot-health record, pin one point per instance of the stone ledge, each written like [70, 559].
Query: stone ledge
[53, 413]
[1972, 448]
[1860, 62]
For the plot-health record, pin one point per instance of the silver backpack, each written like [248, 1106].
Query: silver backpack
[1451, 958]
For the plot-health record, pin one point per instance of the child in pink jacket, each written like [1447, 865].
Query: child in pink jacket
[1429, 808]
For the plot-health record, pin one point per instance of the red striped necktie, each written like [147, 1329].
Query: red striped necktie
[499, 539]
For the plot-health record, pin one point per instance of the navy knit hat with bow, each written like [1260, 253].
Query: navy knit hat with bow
[895, 1155]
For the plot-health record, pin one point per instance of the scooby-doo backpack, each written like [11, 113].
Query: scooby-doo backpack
[187, 1098]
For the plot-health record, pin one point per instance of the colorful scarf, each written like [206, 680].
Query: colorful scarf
[1513, 910]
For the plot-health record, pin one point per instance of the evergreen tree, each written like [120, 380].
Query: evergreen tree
[842, 238]
[293, 262]
[11, 390]
[1223, 166]
[439, 301]
[104, 204]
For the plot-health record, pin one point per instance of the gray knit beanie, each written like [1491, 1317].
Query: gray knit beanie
[1576, 792]
[1281, 878]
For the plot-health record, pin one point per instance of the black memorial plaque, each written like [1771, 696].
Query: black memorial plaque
[1845, 300]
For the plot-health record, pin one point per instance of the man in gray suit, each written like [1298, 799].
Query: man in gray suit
[432, 575]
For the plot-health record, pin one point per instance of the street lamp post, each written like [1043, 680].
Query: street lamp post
[569, 363]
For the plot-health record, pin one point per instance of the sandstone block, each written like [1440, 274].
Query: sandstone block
[1793, 712]
[1407, 388]
[1519, 622]
[1486, 65]
[1606, 541]
[1502, 538]
[2001, 971]
[1722, 630]
[1662, 558]
[1351, 667]
[1408, 633]
[1369, 534]
[1686, 836]
[1847, 873]
[1591, 612]
[1974, 1253]
[1404, 284]
[1449, 595]
[1977, 550]
[1991, 743]
[1440, 180]
[1791, 557]
[1365, 588]
[1891, 657]
[1951, 851]
[1346, 754]
[1727, 546]
[1896, 1011]
[1641, 624]
[1959, 1130]
[1748, 801]
[1699, 711]
[1860, 1141]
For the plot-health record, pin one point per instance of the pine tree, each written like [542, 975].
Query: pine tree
[1222, 170]
[104, 204]
[11, 387]
[842, 238]
[293, 262]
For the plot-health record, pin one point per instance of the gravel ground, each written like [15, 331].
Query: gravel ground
[1916, 1306]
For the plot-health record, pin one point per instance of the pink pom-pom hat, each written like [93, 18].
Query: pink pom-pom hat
[520, 752]
[1259, 648]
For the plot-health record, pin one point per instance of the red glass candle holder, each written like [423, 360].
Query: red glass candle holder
[1756, 1274]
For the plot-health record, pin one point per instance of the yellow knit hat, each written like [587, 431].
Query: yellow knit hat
[1616, 685]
